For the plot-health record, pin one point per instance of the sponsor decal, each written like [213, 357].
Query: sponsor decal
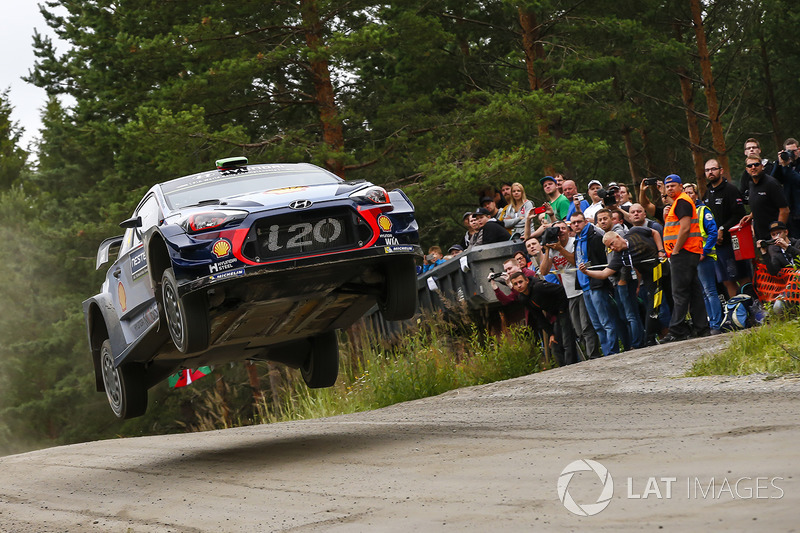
[138, 264]
[221, 248]
[389, 239]
[286, 190]
[385, 223]
[226, 275]
[149, 317]
[222, 265]
[395, 249]
[123, 298]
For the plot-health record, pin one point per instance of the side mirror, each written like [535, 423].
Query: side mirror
[135, 222]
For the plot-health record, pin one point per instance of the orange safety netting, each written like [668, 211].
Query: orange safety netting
[786, 284]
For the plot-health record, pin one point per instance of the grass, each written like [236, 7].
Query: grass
[427, 362]
[770, 349]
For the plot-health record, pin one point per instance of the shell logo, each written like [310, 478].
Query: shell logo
[123, 297]
[221, 248]
[385, 223]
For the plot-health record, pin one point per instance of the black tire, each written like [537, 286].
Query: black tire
[399, 300]
[187, 317]
[321, 367]
[125, 385]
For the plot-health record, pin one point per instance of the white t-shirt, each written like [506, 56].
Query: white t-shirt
[566, 269]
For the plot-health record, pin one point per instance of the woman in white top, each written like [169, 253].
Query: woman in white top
[518, 208]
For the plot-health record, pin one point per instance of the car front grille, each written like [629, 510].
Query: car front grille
[305, 233]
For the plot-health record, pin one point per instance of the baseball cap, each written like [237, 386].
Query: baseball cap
[777, 225]
[547, 178]
[466, 215]
[482, 211]
[594, 182]
[456, 247]
[673, 178]
[486, 199]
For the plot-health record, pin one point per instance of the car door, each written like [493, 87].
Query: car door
[128, 278]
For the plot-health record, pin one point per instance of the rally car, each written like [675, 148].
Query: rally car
[247, 262]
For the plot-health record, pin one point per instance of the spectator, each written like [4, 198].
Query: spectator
[597, 202]
[767, 202]
[639, 250]
[629, 323]
[454, 251]
[589, 249]
[787, 172]
[559, 181]
[707, 269]
[512, 265]
[652, 196]
[752, 148]
[570, 192]
[624, 199]
[433, 259]
[727, 205]
[487, 231]
[558, 202]
[684, 246]
[470, 224]
[514, 218]
[489, 204]
[505, 192]
[534, 249]
[560, 255]
[546, 307]
[639, 218]
[780, 251]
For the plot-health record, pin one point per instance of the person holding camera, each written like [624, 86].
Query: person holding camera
[559, 255]
[433, 259]
[787, 172]
[780, 251]
[546, 309]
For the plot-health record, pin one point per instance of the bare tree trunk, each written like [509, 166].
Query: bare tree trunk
[717, 133]
[630, 152]
[332, 134]
[534, 52]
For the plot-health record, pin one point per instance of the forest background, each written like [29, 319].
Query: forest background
[439, 98]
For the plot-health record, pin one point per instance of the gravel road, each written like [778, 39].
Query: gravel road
[720, 452]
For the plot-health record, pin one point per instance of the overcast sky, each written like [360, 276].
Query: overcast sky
[16, 42]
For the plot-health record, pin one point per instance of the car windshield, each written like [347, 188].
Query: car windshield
[207, 186]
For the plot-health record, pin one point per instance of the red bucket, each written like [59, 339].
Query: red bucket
[742, 240]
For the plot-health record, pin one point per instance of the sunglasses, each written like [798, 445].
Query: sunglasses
[753, 165]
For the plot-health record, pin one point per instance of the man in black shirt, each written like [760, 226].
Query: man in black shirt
[489, 231]
[767, 202]
[727, 206]
[752, 148]
[638, 249]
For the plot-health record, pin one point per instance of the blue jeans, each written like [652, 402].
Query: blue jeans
[602, 316]
[629, 305]
[706, 270]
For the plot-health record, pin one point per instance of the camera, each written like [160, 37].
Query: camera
[786, 155]
[609, 196]
[651, 181]
[494, 275]
[539, 210]
[578, 197]
[767, 242]
[550, 235]
[429, 257]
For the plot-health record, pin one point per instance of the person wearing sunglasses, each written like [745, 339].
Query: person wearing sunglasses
[767, 202]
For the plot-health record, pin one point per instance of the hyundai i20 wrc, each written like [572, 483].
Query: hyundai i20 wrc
[247, 262]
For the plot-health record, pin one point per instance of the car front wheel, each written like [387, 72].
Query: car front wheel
[187, 317]
[125, 385]
[321, 367]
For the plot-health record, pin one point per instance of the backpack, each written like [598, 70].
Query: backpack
[738, 313]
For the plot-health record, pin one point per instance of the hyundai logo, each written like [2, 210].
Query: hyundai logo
[300, 204]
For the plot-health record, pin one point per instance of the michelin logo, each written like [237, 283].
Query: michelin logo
[225, 275]
[393, 249]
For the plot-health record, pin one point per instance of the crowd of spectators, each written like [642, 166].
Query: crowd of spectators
[603, 271]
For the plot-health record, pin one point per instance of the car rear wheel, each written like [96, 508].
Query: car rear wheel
[399, 300]
[125, 385]
[187, 317]
[321, 367]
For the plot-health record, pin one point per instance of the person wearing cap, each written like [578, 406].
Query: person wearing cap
[558, 202]
[597, 202]
[767, 202]
[490, 205]
[683, 242]
[454, 251]
[781, 250]
[487, 230]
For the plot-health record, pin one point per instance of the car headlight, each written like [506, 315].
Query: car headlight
[209, 220]
[373, 195]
